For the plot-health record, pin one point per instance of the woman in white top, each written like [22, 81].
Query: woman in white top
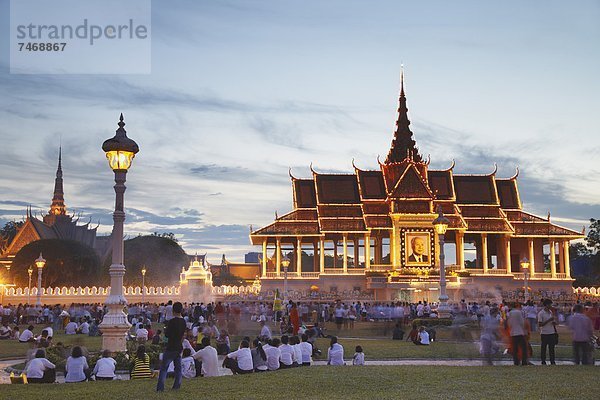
[208, 356]
[335, 353]
[243, 356]
[76, 366]
[105, 367]
[40, 370]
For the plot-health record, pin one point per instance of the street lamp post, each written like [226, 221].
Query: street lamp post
[30, 272]
[285, 263]
[120, 151]
[143, 286]
[40, 262]
[525, 268]
[440, 225]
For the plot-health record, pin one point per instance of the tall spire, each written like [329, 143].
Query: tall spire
[403, 144]
[58, 201]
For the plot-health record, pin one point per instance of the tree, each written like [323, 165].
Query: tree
[161, 255]
[593, 237]
[68, 263]
[8, 233]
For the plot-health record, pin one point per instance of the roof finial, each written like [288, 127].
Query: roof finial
[121, 123]
[401, 80]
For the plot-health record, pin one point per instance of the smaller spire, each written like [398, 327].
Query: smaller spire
[402, 80]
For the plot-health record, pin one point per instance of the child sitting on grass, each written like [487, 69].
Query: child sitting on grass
[359, 356]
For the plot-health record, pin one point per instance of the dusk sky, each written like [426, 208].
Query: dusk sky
[239, 91]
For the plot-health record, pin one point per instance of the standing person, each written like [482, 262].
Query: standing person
[516, 325]
[174, 332]
[294, 319]
[335, 353]
[581, 326]
[548, 333]
[490, 332]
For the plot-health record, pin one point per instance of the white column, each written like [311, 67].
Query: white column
[367, 251]
[345, 264]
[567, 260]
[264, 258]
[484, 252]
[299, 255]
[322, 255]
[553, 258]
[460, 249]
[531, 256]
[278, 256]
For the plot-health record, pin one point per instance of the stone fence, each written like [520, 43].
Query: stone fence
[133, 294]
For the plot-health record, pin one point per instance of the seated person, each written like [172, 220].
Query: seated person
[422, 337]
[71, 328]
[141, 333]
[413, 334]
[76, 367]
[156, 338]
[84, 328]
[208, 356]
[141, 364]
[188, 367]
[105, 367]
[39, 369]
[43, 340]
[223, 343]
[27, 335]
[240, 361]
[398, 333]
[5, 331]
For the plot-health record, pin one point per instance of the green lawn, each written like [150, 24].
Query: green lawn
[376, 382]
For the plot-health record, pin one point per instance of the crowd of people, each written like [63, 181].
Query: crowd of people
[196, 334]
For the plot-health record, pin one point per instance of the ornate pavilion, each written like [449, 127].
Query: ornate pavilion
[356, 233]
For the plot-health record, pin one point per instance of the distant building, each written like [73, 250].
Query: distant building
[57, 224]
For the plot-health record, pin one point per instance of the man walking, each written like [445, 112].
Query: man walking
[582, 328]
[174, 332]
[516, 325]
[548, 333]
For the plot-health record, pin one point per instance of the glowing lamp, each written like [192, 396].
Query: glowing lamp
[285, 262]
[144, 271]
[30, 271]
[40, 262]
[120, 150]
[524, 264]
[440, 224]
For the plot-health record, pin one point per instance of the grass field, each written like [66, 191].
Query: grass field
[372, 382]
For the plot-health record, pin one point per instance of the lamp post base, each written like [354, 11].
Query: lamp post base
[114, 328]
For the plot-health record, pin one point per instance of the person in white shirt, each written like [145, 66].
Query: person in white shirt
[40, 370]
[548, 332]
[188, 367]
[105, 367]
[240, 361]
[287, 353]
[27, 335]
[76, 366]
[169, 311]
[141, 334]
[71, 328]
[307, 350]
[209, 358]
[335, 352]
[84, 328]
[422, 337]
[265, 331]
[273, 354]
[50, 331]
[359, 356]
[295, 343]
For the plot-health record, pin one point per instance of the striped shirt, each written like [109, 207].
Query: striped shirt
[141, 368]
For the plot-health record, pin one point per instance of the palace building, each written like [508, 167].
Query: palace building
[370, 231]
[57, 224]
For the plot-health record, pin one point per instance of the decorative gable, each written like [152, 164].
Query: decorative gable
[411, 185]
[26, 235]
